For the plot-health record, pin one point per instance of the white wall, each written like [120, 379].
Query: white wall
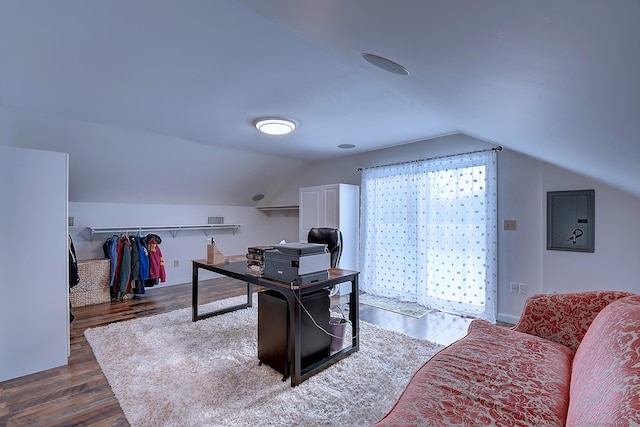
[615, 264]
[34, 286]
[114, 165]
[522, 185]
[522, 256]
[282, 225]
[520, 251]
[345, 169]
[5, 126]
[256, 228]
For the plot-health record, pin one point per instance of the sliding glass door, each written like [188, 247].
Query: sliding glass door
[429, 233]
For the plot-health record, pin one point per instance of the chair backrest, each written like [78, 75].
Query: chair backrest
[332, 237]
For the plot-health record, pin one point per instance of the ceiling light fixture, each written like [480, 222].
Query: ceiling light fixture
[275, 126]
[385, 64]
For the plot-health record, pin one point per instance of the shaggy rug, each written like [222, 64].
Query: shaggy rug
[167, 371]
[412, 309]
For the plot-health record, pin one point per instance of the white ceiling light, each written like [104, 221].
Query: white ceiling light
[273, 126]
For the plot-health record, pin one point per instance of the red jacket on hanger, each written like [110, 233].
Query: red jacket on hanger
[156, 261]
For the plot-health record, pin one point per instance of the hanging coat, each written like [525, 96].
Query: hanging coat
[124, 266]
[144, 257]
[74, 278]
[110, 248]
[137, 284]
[156, 261]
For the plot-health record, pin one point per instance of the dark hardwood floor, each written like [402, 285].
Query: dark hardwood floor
[79, 395]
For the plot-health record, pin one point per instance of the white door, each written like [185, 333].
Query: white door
[331, 197]
[312, 211]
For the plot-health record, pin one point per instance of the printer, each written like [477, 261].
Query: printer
[297, 263]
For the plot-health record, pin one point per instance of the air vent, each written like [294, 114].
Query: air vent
[71, 221]
[216, 220]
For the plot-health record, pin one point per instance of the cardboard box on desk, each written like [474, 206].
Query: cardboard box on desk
[214, 256]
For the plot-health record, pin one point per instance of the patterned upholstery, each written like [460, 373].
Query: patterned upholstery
[530, 375]
[564, 318]
[605, 382]
[493, 376]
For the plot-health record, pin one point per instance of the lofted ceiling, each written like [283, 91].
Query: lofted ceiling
[554, 79]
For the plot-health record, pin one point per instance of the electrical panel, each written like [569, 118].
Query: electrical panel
[570, 220]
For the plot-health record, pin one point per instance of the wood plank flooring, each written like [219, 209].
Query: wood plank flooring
[79, 395]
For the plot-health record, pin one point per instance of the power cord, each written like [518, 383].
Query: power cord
[320, 327]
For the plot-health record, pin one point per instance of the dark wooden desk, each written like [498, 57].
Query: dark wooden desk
[292, 294]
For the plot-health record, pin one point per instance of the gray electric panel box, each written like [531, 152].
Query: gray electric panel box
[570, 220]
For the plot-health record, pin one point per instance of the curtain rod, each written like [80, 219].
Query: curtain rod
[497, 149]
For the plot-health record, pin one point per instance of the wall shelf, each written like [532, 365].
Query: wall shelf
[173, 229]
[268, 209]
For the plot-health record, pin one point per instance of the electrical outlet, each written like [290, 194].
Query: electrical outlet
[176, 263]
[514, 287]
[522, 288]
[510, 224]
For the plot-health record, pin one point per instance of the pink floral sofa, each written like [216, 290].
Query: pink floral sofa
[572, 359]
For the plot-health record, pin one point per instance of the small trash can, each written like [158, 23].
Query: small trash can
[337, 328]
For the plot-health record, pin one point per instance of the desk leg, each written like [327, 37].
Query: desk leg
[194, 294]
[249, 294]
[298, 374]
[294, 337]
[194, 300]
[354, 313]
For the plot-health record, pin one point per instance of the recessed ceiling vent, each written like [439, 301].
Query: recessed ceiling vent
[385, 64]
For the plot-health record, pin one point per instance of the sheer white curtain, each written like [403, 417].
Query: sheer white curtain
[429, 233]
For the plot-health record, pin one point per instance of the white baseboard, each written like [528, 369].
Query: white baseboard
[508, 318]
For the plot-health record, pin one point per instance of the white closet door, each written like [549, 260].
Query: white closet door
[311, 210]
[331, 206]
[34, 307]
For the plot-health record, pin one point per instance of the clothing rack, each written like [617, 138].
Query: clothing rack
[173, 229]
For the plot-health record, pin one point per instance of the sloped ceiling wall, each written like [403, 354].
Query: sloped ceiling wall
[108, 164]
[180, 84]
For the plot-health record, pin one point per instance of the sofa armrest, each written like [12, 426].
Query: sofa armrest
[564, 318]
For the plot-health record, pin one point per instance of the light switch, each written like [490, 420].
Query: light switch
[510, 224]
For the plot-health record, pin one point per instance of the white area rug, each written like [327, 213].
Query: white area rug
[167, 371]
[412, 309]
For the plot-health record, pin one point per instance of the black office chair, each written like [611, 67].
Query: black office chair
[332, 237]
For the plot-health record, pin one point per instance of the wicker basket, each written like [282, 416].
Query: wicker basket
[94, 283]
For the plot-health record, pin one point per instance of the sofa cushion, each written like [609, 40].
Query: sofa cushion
[564, 318]
[605, 382]
[493, 376]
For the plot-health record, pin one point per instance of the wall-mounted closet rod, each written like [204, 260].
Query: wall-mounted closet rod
[173, 229]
